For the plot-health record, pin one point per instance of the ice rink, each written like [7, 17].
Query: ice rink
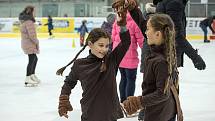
[19, 103]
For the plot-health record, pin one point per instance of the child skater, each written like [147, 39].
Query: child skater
[83, 30]
[96, 74]
[160, 84]
[50, 26]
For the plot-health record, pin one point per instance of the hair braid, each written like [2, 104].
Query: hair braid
[60, 71]
[169, 37]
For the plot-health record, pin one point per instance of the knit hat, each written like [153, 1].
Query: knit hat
[111, 18]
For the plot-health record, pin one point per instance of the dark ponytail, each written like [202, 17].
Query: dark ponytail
[93, 36]
[60, 71]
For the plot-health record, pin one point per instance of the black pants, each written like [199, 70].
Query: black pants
[32, 62]
[50, 32]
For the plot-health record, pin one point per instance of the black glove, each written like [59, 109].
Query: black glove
[199, 62]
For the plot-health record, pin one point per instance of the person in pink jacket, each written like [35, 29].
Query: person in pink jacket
[29, 43]
[129, 64]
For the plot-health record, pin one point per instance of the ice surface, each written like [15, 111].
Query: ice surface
[19, 103]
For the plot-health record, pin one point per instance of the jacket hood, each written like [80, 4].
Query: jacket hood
[24, 17]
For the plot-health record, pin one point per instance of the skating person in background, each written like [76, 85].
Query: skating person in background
[108, 26]
[159, 88]
[83, 29]
[128, 65]
[96, 73]
[175, 9]
[29, 43]
[204, 24]
[50, 26]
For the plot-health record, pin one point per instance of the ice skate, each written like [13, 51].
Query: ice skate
[51, 37]
[30, 82]
[35, 78]
[206, 41]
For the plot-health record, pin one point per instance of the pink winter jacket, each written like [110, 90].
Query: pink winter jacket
[29, 41]
[130, 59]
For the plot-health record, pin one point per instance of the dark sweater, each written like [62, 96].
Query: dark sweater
[99, 98]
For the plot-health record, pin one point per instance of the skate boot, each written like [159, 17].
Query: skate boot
[35, 78]
[30, 82]
[206, 41]
[51, 37]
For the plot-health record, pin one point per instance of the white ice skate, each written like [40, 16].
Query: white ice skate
[35, 78]
[30, 82]
[51, 37]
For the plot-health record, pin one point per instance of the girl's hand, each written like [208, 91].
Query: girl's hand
[132, 104]
[64, 106]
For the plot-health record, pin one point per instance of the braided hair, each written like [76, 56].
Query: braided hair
[164, 24]
[93, 36]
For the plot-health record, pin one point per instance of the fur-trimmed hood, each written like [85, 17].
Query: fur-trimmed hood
[24, 17]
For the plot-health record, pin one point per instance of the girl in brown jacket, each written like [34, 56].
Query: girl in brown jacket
[159, 88]
[29, 43]
[97, 76]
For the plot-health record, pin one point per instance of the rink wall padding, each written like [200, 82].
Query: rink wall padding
[76, 35]
[67, 27]
[41, 35]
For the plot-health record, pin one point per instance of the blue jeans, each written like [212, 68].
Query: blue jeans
[127, 83]
[204, 29]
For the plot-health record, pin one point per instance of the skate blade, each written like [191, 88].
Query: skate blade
[30, 85]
